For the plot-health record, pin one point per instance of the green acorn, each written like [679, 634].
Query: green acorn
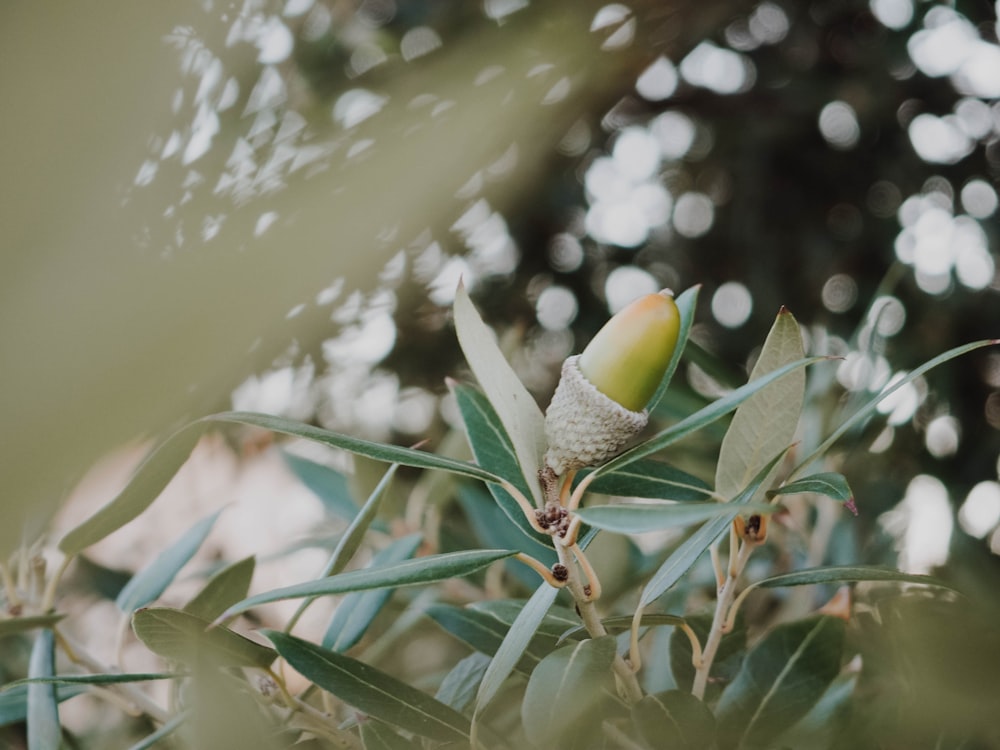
[599, 404]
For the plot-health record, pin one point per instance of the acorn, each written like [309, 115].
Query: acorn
[599, 404]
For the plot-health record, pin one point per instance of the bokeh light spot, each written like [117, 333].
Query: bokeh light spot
[693, 214]
[942, 437]
[838, 124]
[888, 315]
[675, 133]
[980, 513]
[627, 283]
[732, 304]
[921, 524]
[839, 294]
[939, 140]
[893, 14]
[658, 81]
[556, 308]
[565, 253]
[717, 69]
[979, 199]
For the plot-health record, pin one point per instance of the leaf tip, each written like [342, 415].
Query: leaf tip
[851, 506]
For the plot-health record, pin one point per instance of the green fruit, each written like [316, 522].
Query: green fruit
[628, 357]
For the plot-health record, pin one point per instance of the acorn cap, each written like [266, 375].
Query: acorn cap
[599, 404]
[583, 426]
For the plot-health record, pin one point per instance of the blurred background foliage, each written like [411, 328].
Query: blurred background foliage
[268, 205]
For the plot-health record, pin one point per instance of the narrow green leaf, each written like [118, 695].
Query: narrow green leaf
[94, 679]
[370, 690]
[44, 731]
[151, 581]
[14, 702]
[351, 538]
[564, 691]
[494, 452]
[674, 719]
[15, 625]
[188, 639]
[828, 483]
[782, 678]
[650, 479]
[675, 566]
[514, 644]
[687, 303]
[766, 422]
[329, 485]
[701, 418]
[485, 632]
[355, 533]
[518, 412]
[357, 611]
[869, 407]
[849, 573]
[376, 735]
[459, 686]
[155, 472]
[390, 454]
[163, 732]
[223, 590]
[410, 573]
[637, 518]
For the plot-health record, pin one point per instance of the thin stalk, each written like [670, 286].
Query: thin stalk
[592, 621]
[738, 561]
[79, 655]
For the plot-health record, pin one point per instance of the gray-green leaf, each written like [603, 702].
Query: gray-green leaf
[828, 483]
[564, 690]
[44, 731]
[186, 638]
[766, 422]
[638, 518]
[674, 719]
[781, 679]
[410, 573]
[357, 610]
[223, 590]
[518, 412]
[370, 690]
[151, 581]
[513, 646]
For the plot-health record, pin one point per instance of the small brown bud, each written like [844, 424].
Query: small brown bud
[560, 572]
[753, 529]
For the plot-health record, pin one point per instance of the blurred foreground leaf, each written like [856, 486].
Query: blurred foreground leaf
[188, 639]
